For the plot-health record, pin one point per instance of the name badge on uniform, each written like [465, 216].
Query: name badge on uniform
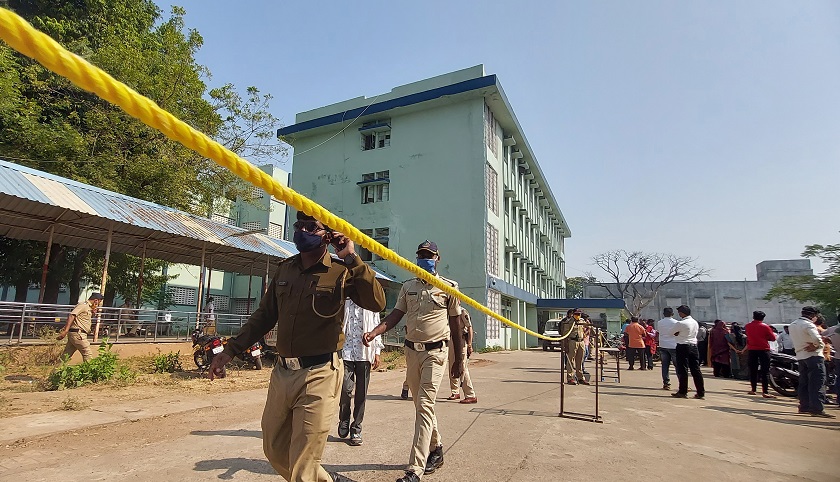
[411, 293]
[282, 283]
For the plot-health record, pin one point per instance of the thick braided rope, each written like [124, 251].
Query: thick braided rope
[24, 38]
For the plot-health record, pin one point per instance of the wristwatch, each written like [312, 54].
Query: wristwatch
[350, 258]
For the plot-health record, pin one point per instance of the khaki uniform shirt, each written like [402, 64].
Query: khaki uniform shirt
[577, 332]
[307, 306]
[83, 314]
[427, 310]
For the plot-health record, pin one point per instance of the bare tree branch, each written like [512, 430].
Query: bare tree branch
[637, 277]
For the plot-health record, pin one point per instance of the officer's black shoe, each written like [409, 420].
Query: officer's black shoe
[344, 428]
[409, 477]
[434, 461]
[404, 394]
[336, 477]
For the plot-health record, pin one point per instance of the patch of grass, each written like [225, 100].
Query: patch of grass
[73, 404]
[392, 359]
[167, 362]
[491, 349]
[103, 368]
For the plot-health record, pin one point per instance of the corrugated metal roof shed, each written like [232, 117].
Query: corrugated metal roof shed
[31, 201]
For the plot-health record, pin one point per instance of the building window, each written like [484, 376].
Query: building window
[182, 295]
[221, 303]
[252, 226]
[494, 302]
[375, 134]
[381, 235]
[492, 250]
[275, 230]
[673, 302]
[492, 187]
[490, 126]
[240, 306]
[375, 187]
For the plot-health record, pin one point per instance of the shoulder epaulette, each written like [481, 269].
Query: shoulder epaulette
[452, 283]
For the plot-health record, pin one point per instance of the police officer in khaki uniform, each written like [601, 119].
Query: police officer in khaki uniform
[574, 347]
[78, 327]
[305, 301]
[432, 320]
[465, 382]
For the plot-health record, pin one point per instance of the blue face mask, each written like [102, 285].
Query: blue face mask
[427, 264]
[305, 242]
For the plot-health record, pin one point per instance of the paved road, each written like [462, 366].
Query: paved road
[512, 434]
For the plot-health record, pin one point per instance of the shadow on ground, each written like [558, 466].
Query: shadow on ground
[780, 417]
[342, 469]
[233, 465]
[228, 433]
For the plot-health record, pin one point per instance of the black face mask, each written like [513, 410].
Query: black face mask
[306, 242]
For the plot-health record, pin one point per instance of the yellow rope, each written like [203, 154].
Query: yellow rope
[24, 38]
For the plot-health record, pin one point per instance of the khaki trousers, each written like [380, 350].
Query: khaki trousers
[425, 371]
[575, 351]
[77, 341]
[298, 414]
[465, 381]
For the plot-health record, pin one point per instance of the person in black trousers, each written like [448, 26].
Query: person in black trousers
[688, 358]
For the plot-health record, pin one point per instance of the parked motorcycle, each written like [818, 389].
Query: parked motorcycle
[784, 374]
[206, 347]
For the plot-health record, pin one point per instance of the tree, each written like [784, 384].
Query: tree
[637, 277]
[49, 124]
[20, 265]
[575, 286]
[823, 289]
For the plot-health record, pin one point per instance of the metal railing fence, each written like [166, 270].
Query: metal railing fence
[31, 322]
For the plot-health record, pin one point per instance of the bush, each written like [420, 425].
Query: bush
[102, 368]
[490, 349]
[167, 362]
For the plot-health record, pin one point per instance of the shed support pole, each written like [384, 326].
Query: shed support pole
[200, 288]
[45, 268]
[104, 280]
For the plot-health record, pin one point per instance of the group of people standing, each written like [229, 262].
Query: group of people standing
[678, 342]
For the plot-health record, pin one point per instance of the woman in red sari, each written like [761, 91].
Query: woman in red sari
[719, 348]
[650, 344]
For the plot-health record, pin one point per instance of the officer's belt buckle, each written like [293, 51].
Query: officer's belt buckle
[419, 347]
[292, 363]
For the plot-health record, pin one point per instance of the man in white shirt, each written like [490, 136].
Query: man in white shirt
[359, 360]
[809, 351]
[688, 358]
[667, 345]
[785, 343]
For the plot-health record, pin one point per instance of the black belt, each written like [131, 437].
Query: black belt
[305, 361]
[77, 330]
[425, 346]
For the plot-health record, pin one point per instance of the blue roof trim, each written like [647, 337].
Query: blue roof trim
[425, 96]
[508, 289]
[580, 303]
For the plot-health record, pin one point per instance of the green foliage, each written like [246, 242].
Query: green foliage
[47, 123]
[167, 362]
[100, 369]
[822, 289]
[576, 284]
[490, 349]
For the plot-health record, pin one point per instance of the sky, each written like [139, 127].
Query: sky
[705, 129]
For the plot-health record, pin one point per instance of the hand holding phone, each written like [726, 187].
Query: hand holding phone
[342, 244]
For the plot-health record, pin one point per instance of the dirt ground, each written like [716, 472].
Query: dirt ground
[512, 434]
[22, 391]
